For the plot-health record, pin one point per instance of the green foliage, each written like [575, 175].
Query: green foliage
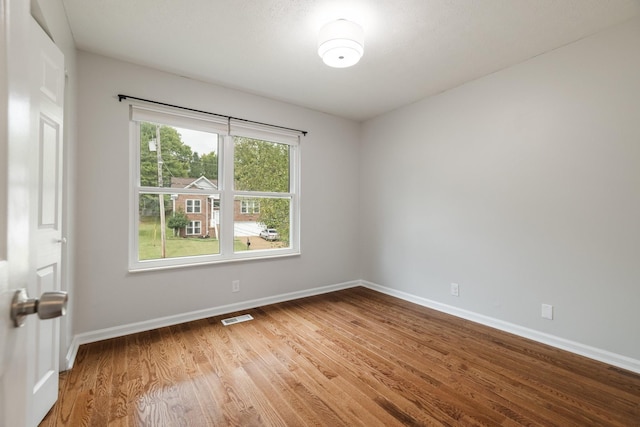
[175, 155]
[178, 158]
[264, 166]
[195, 166]
[178, 220]
[274, 213]
[261, 165]
[149, 204]
[210, 165]
[178, 161]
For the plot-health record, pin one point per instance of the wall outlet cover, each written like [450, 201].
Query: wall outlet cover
[455, 290]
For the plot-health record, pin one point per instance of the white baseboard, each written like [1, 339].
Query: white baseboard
[71, 353]
[147, 325]
[610, 358]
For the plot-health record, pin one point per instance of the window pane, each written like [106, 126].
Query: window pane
[261, 165]
[249, 206]
[267, 228]
[193, 206]
[186, 234]
[180, 158]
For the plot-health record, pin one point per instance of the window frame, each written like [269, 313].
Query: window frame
[248, 206]
[193, 206]
[193, 227]
[226, 129]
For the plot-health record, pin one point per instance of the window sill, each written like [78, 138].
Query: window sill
[153, 265]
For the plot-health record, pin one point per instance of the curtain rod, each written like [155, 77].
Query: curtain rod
[121, 97]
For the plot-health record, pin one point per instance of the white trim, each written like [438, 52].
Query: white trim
[177, 117]
[244, 205]
[193, 228]
[265, 254]
[265, 132]
[227, 207]
[193, 206]
[134, 193]
[598, 354]
[72, 352]
[147, 325]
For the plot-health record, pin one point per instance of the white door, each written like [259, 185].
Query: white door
[30, 155]
[47, 106]
[15, 192]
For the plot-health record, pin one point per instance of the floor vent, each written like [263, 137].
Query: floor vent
[237, 319]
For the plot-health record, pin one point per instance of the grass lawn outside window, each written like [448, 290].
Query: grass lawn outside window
[149, 243]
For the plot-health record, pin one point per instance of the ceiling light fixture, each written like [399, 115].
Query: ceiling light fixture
[341, 43]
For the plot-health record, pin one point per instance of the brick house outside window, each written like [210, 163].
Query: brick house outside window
[206, 208]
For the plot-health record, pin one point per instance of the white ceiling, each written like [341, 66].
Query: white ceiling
[413, 48]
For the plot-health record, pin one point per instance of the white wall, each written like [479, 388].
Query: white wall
[107, 295]
[524, 188]
[50, 14]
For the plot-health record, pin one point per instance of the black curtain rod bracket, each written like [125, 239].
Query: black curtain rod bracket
[122, 97]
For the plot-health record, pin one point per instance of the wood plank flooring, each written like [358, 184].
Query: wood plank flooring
[349, 358]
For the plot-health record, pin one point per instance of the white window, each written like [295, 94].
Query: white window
[193, 206]
[194, 229]
[250, 206]
[186, 163]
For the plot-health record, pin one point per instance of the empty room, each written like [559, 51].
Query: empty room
[335, 213]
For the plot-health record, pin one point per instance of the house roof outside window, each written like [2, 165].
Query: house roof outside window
[201, 183]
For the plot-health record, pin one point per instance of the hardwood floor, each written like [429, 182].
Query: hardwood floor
[350, 358]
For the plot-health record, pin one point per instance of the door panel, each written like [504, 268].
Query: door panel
[48, 183]
[45, 386]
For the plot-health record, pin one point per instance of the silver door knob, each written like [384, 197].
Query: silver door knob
[50, 305]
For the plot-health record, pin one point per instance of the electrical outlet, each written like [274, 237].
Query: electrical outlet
[235, 286]
[547, 311]
[455, 290]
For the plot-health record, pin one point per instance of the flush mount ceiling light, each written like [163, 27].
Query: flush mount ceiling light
[341, 43]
